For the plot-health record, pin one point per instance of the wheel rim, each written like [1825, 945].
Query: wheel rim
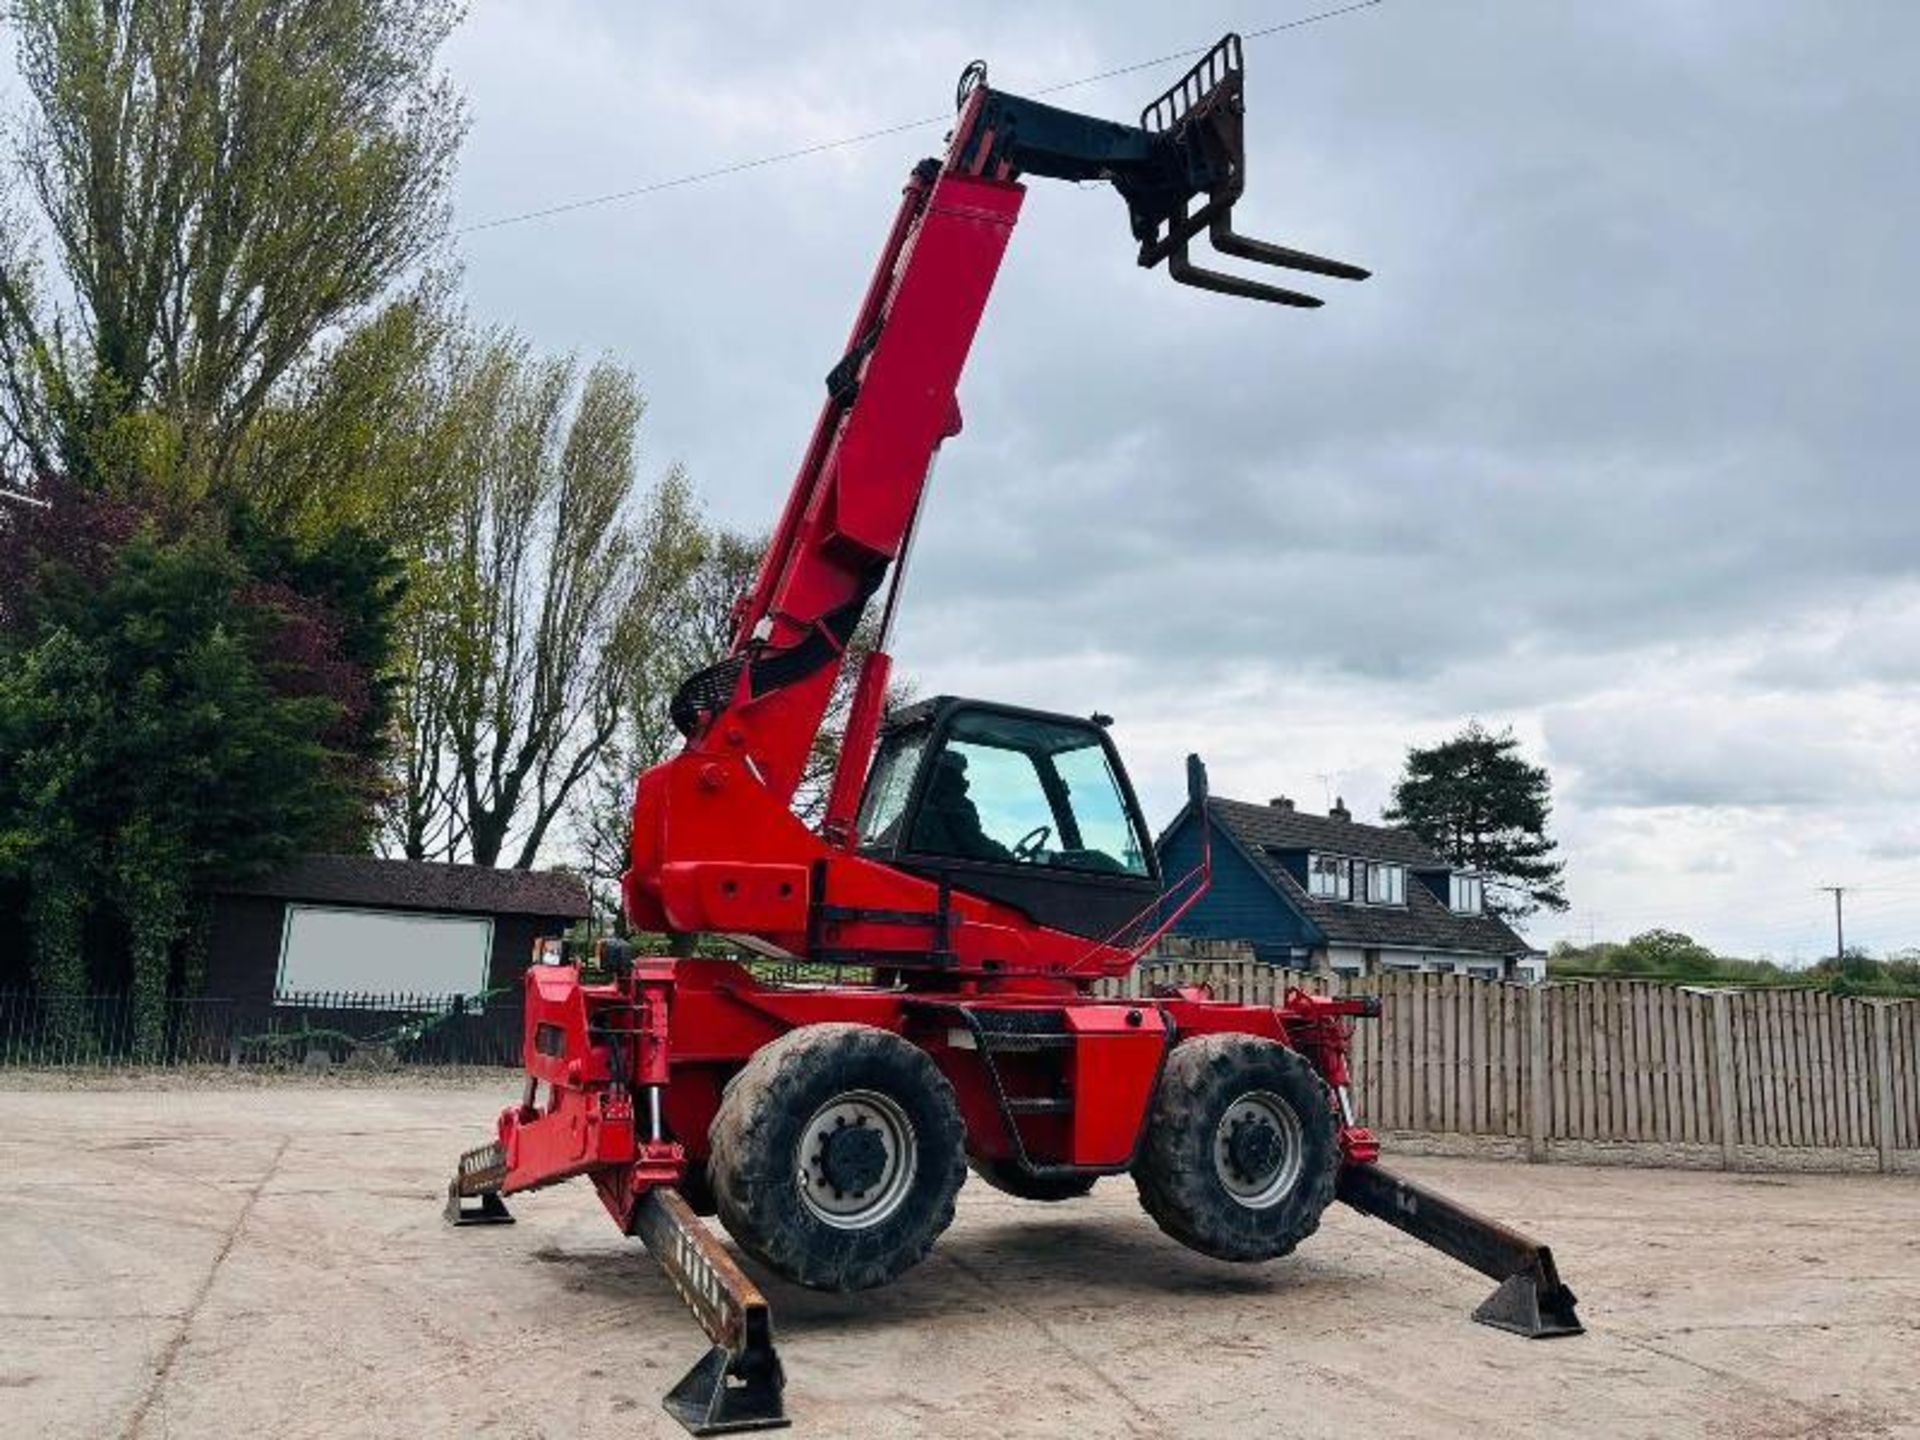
[855, 1159]
[1257, 1150]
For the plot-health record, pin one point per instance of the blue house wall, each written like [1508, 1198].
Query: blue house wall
[1240, 905]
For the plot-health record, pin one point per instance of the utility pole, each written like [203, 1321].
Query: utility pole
[1839, 922]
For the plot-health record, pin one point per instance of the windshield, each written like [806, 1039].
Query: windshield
[1017, 790]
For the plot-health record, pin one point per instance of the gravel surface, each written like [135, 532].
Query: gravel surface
[207, 1260]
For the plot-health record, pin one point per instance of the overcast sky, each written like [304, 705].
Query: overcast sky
[1615, 448]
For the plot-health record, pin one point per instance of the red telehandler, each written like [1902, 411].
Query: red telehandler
[978, 868]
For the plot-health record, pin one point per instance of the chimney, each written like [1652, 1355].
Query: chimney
[1281, 802]
[1339, 810]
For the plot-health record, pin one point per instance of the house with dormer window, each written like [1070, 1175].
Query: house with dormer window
[1327, 892]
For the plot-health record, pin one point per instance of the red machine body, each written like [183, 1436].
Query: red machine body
[717, 847]
[965, 981]
[715, 1015]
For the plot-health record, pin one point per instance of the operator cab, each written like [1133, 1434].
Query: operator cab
[1023, 807]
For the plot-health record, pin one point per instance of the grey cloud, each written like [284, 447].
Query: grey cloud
[1877, 643]
[1624, 377]
[1894, 843]
[1649, 750]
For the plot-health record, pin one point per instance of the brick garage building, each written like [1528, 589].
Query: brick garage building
[352, 923]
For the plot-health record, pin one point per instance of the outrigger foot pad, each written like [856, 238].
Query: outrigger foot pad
[1527, 1305]
[477, 1179]
[737, 1384]
[1531, 1300]
[711, 1399]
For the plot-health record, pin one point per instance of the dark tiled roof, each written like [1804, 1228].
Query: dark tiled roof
[1423, 923]
[1270, 825]
[422, 885]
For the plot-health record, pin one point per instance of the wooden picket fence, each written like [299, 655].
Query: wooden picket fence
[1613, 1060]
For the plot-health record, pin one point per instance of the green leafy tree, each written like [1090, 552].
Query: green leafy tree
[1666, 953]
[367, 436]
[1479, 802]
[160, 731]
[224, 184]
[1678, 958]
[211, 364]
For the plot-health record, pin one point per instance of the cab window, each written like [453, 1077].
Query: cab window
[1011, 790]
[889, 786]
[1106, 826]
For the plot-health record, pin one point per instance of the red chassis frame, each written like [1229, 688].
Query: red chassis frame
[633, 1067]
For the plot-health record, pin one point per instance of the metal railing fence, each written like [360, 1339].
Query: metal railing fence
[123, 1029]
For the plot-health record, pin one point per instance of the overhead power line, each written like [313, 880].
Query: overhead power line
[697, 177]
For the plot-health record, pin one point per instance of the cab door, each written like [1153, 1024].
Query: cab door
[1030, 809]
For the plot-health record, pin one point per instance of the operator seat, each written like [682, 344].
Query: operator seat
[949, 822]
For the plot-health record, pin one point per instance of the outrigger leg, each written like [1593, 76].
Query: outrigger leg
[477, 1178]
[737, 1384]
[1531, 1300]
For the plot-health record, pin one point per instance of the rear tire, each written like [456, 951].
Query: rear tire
[1008, 1178]
[836, 1155]
[1242, 1151]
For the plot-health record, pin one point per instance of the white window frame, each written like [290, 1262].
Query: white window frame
[400, 985]
[1466, 893]
[1386, 883]
[1339, 876]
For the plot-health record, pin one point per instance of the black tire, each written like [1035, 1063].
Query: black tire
[1010, 1179]
[695, 1188]
[911, 1158]
[1223, 1170]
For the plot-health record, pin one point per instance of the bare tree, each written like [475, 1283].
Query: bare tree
[423, 818]
[544, 595]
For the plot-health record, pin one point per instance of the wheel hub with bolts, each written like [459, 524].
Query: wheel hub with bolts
[851, 1158]
[1253, 1148]
[1257, 1152]
[855, 1159]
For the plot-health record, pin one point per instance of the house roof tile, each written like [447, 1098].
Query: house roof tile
[422, 885]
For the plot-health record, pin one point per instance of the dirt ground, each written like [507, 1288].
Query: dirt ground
[270, 1261]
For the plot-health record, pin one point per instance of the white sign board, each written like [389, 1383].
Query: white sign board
[368, 952]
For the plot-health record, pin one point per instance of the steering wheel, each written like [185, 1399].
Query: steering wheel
[1029, 845]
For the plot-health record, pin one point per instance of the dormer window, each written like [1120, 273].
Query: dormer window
[1329, 877]
[1468, 894]
[1386, 884]
[1365, 882]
